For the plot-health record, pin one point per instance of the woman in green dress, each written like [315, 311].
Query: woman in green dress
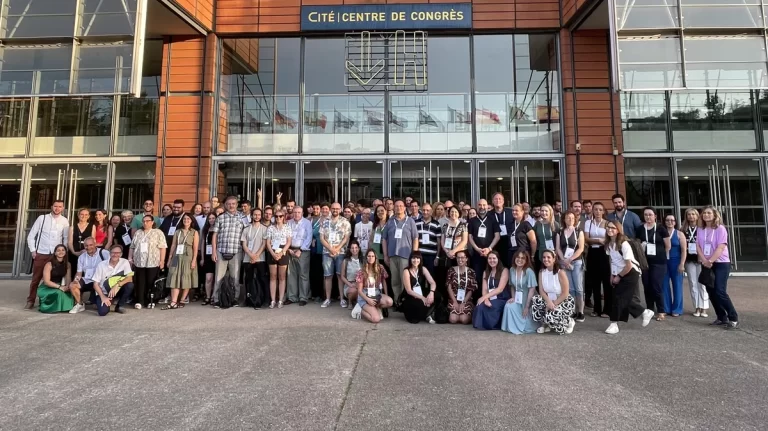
[53, 291]
[183, 266]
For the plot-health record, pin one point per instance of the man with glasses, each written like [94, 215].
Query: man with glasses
[399, 239]
[334, 235]
[113, 282]
[298, 255]
[86, 267]
[228, 251]
[363, 230]
[149, 207]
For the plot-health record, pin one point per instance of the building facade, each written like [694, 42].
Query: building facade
[104, 103]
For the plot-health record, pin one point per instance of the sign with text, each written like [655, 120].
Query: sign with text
[387, 17]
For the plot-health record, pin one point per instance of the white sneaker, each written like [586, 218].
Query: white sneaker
[326, 303]
[543, 329]
[647, 316]
[696, 314]
[430, 320]
[137, 306]
[613, 328]
[343, 303]
[77, 308]
[186, 301]
[704, 314]
[569, 328]
[357, 312]
[166, 300]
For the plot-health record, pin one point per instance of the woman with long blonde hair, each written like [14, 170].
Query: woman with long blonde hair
[545, 230]
[712, 251]
[372, 296]
[699, 293]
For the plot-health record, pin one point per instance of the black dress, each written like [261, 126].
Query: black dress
[413, 308]
[78, 237]
[209, 267]
[120, 231]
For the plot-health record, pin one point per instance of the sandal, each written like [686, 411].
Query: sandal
[180, 305]
[661, 317]
[604, 316]
[272, 304]
[171, 306]
[206, 302]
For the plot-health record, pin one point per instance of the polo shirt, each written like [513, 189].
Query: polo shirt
[431, 232]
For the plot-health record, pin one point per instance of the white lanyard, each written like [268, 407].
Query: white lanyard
[466, 277]
[550, 231]
[517, 225]
[519, 281]
[503, 217]
[482, 221]
[646, 234]
[691, 233]
[177, 222]
[568, 239]
[711, 238]
[402, 225]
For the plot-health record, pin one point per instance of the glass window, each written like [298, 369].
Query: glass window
[335, 120]
[139, 117]
[650, 63]
[646, 14]
[73, 126]
[14, 121]
[260, 104]
[712, 121]
[134, 183]
[440, 119]
[722, 13]
[21, 63]
[99, 67]
[724, 61]
[108, 18]
[516, 93]
[643, 121]
[39, 18]
[649, 183]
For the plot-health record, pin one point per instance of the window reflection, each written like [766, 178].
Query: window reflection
[261, 104]
[643, 121]
[647, 14]
[440, 120]
[21, 63]
[717, 62]
[39, 18]
[103, 68]
[649, 183]
[73, 126]
[722, 13]
[712, 121]
[14, 122]
[650, 63]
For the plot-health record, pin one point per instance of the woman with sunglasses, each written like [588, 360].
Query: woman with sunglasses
[420, 291]
[462, 283]
[517, 312]
[554, 305]
[625, 274]
[490, 307]
[678, 253]
[699, 294]
[278, 243]
[372, 295]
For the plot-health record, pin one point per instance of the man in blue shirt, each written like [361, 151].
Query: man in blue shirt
[629, 220]
[298, 266]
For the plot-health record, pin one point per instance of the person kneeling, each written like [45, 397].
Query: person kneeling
[418, 302]
[370, 296]
[553, 305]
[461, 285]
[113, 282]
[54, 292]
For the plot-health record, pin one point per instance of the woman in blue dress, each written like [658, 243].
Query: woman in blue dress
[678, 253]
[490, 307]
[517, 312]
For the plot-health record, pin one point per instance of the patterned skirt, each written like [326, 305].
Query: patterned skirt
[468, 307]
[557, 319]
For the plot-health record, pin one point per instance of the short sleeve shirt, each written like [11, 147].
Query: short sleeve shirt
[656, 236]
[254, 237]
[520, 231]
[403, 246]
[154, 240]
[454, 233]
[713, 237]
[279, 236]
[334, 232]
[483, 230]
[619, 257]
[228, 229]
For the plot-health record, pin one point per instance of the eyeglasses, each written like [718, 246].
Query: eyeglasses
[279, 216]
[148, 221]
[610, 228]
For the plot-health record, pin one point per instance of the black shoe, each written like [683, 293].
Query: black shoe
[302, 303]
[385, 312]
[287, 302]
[718, 322]
[579, 317]
[732, 325]
[589, 304]
[119, 310]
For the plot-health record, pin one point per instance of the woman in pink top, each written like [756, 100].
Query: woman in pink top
[712, 249]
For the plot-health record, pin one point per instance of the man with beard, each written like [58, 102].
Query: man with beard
[527, 213]
[169, 226]
[629, 220]
[484, 234]
[504, 219]
[319, 213]
[334, 235]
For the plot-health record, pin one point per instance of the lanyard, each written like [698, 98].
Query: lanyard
[519, 281]
[503, 217]
[623, 217]
[646, 234]
[550, 231]
[184, 240]
[491, 283]
[394, 219]
[127, 229]
[466, 277]
[482, 221]
[177, 222]
[691, 234]
[316, 223]
[711, 237]
[569, 237]
[517, 225]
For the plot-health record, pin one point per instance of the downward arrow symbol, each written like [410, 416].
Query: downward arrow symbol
[365, 62]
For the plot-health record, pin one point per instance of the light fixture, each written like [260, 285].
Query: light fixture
[685, 178]
[499, 178]
[275, 179]
[354, 180]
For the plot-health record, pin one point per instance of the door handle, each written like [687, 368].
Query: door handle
[438, 183]
[263, 186]
[736, 242]
[424, 187]
[349, 182]
[336, 184]
[60, 179]
[525, 171]
[72, 190]
[512, 194]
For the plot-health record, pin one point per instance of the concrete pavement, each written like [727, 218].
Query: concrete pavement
[307, 368]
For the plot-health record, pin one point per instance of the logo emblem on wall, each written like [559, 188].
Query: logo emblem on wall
[375, 60]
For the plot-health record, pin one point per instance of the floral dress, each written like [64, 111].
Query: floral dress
[362, 277]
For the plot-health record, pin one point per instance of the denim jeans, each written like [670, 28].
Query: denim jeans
[718, 294]
[576, 278]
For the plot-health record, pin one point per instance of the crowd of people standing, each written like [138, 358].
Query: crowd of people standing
[519, 269]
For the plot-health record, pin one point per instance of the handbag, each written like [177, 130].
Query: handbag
[707, 277]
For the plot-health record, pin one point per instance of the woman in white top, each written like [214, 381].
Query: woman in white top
[553, 306]
[597, 280]
[625, 274]
[699, 293]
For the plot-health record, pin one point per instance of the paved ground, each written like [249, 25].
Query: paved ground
[314, 369]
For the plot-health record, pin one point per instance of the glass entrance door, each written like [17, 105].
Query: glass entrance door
[10, 194]
[533, 181]
[332, 181]
[733, 186]
[244, 180]
[432, 180]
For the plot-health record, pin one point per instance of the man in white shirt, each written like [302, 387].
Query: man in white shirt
[204, 216]
[363, 230]
[86, 268]
[113, 281]
[48, 231]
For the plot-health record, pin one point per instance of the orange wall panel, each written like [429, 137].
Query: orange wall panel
[201, 10]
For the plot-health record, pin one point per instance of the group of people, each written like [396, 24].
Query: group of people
[518, 269]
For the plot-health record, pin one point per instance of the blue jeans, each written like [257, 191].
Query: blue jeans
[673, 300]
[576, 278]
[120, 299]
[719, 296]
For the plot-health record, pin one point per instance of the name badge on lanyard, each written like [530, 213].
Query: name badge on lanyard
[448, 244]
[708, 249]
[461, 294]
[503, 229]
[172, 231]
[126, 236]
[692, 248]
[518, 298]
[209, 249]
[377, 238]
[491, 286]
[502, 224]
[548, 243]
[568, 252]
[650, 248]
[143, 247]
[481, 232]
[398, 233]
[417, 289]
[425, 238]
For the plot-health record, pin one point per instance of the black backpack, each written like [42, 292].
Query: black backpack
[227, 293]
[637, 250]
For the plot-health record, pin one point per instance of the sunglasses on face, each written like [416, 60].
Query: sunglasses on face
[279, 216]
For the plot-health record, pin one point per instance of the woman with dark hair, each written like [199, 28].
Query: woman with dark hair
[461, 283]
[104, 230]
[53, 292]
[569, 246]
[183, 264]
[350, 266]
[554, 305]
[165, 212]
[419, 294]
[678, 252]
[656, 244]
[490, 307]
[206, 256]
[517, 312]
